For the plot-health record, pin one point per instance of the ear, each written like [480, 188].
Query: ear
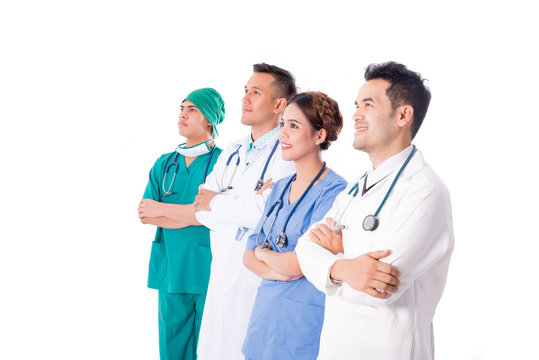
[321, 136]
[405, 114]
[279, 105]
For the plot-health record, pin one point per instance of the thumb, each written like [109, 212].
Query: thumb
[379, 254]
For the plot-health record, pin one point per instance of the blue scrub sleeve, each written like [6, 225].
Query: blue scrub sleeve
[155, 179]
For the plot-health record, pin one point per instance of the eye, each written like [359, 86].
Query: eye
[281, 124]
[256, 92]
[293, 126]
[368, 105]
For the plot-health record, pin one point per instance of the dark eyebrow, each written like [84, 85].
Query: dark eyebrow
[254, 87]
[367, 99]
[188, 106]
[290, 120]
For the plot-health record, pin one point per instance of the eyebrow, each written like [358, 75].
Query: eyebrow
[254, 87]
[290, 120]
[188, 106]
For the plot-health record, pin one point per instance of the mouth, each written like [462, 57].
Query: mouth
[180, 124]
[246, 109]
[360, 129]
[285, 146]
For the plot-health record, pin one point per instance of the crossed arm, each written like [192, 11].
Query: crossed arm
[272, 265]
[169, 216]
[364, 273]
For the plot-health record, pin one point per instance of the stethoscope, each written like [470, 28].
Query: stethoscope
[176, 167]
[236, 154]
[281, 239]
[371, 222]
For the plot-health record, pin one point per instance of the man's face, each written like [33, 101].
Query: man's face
[191, 122]
[375, 122]
[258, 102]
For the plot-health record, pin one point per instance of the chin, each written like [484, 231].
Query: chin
[246, 121]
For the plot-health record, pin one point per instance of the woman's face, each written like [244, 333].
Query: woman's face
[297, 136]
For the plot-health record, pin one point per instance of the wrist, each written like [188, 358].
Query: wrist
[337, 270]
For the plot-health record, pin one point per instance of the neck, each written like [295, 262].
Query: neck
[379, 156]
[308, 166]
[197, 140]
[259, 130]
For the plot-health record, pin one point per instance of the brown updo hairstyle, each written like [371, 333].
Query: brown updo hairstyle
[322, 112]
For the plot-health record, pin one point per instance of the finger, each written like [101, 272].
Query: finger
[329, 221]
[387, 268]
[317, 234]
[314, 238]
[324, 229]
[386, 278]
[383, 286]
[375, 293]
[379, 254]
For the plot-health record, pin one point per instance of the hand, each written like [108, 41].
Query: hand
[202, 200]
[260, 252]
[149, 208]
[366, 274]
[325, 237]
[267, 185]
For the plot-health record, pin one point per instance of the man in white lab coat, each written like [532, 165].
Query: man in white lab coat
[380, 303]
[230, 206]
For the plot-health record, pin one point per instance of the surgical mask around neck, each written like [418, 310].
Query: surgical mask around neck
[194, 151]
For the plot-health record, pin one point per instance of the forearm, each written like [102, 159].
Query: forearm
[285, 263]
[178, 212]
[260, 268]
[164, 222]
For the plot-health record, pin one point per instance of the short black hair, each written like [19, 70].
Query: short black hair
[284, 83]
[407, 88]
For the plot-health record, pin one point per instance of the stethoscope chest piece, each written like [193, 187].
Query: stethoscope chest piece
[281, 241]
[370, 223]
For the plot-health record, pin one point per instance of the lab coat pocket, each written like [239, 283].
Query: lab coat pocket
[158, 263]
[300, 325]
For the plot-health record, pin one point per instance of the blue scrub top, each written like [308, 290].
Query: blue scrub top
[180, 259]
[287, 316]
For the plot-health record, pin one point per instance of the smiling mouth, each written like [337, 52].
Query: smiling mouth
[361, 129]
[285, 146]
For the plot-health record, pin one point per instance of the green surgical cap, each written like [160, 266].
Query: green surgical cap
[211, 104]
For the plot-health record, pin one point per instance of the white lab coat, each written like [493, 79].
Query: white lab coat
[416, 225]
[232, 287]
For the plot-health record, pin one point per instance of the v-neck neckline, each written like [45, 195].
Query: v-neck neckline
[287, 194]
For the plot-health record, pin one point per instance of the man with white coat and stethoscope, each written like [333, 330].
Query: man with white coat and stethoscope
[231, 204]
[383, 251]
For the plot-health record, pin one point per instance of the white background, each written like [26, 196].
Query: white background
[89, 97]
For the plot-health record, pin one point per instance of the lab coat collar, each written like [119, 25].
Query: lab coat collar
[387, 167]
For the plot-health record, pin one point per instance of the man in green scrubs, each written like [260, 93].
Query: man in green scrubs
[181, 256]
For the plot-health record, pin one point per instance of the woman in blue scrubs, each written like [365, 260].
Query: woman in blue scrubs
[181, 256]
[288, 313]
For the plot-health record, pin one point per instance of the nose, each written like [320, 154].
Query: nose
[282, 134]
[183, 114]
[246, 99]
[358, 115]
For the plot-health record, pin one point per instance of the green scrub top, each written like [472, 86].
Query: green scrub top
[180, 258]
